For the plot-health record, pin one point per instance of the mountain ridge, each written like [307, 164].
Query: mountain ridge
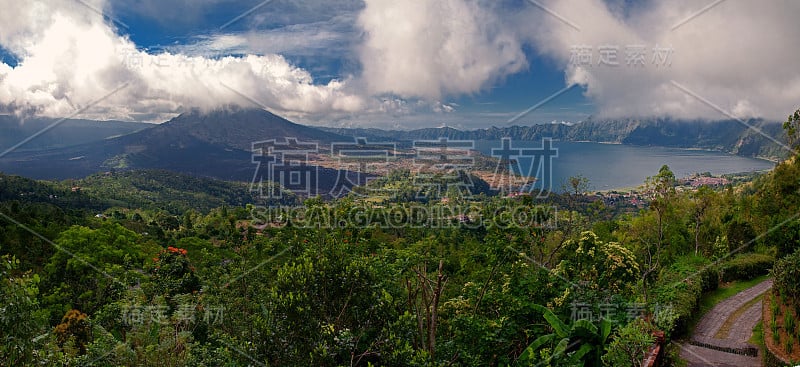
[218, 144]
[60, 133]
[728, 136]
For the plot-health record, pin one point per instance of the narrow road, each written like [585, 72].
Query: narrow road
[720, 338]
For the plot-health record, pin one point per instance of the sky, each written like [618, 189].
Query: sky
[402, 64]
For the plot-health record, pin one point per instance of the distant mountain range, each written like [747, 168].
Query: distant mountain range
[729, 136]
[63, 133]
[219, 144]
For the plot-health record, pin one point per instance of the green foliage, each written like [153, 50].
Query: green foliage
[665, 318]
[791, 126]
[775, 308]
[745, 267]
[354, 294]
[741, 236]
[91, 268]
[629, 345]
[174, 192]
[681, 286]
[329, 295]
[785, 236]
[582, 342]
[776, 336]
[20, 317]
[602, 267]
[173, 274]
[789, 321]
[786, 273]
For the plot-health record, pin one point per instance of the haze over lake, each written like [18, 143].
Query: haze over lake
[609, 166]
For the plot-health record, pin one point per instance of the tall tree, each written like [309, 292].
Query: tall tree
[792, 128]
[702, 200]
[661, 188]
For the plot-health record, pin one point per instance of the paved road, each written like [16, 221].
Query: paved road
[709, 350]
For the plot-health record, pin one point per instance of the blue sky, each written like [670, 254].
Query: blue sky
[159, 26]
[407, 64]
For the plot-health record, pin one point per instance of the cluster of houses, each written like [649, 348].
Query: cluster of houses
[697, 181]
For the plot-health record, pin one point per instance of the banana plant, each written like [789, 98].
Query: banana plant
[580, 344]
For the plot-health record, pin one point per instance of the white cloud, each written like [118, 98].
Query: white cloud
[409, 57]
[737, 55]
[325, 39]
[70, 57]
[435, 48]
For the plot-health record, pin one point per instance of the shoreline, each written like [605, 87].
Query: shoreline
[762, 158]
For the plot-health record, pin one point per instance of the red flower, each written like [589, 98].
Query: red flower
[176, 250]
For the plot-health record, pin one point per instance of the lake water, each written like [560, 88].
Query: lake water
[610, 166]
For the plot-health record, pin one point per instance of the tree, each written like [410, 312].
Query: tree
[599, 266]
[792, 128]
[74, 330]
[173, 274]
[91, 268]
[740, 236]
[21, 320]
[574, 188]
[662, 190]
[786, 272]
[702, 200]
[424, 295]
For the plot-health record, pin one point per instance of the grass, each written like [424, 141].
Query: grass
[723, 331]
[758, 334]
[725, 291]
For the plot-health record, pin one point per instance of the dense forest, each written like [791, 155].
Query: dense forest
[151, 268]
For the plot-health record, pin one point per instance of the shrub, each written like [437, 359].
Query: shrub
[776, 338]
[709, 279]
[788, 321]
[786, 272]
[75, 328]
[746, 267]
[681, 287]
[665, 319]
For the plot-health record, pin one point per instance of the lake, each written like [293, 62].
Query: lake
[609, 166]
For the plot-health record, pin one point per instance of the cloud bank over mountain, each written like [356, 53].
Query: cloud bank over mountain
[674, 59]
[71, 56]
[733, 55]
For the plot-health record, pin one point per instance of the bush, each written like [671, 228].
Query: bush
[75, 328]
[746, 267]
[681, 286]
[709, 279]
[775, 308]
[788, 321]
[776, 338]
[786, 273]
